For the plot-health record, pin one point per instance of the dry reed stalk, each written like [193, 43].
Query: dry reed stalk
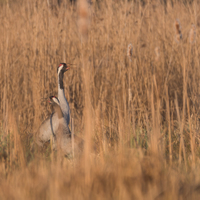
[154, 136]
[16, 154]
[129, 96]
[121, 129]
[184, 103]
[169, 125]
[157, 52]
[83, 21]
[181, 125]
[178, 34]
[98, 127]
[126, 115]
[5, 89]
[192, 34]
[88, 133]
[129, 54]
[156, 115]
[192, 145]
[160, 138]
[72, 128]
[172, 116]
[36, 88]
[88, 117]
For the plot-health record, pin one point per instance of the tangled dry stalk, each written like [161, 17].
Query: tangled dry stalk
[138, 114]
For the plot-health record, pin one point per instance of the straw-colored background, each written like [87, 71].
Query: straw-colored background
[138, 114]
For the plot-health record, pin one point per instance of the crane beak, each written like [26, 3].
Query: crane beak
[68, 64]
[67, 68]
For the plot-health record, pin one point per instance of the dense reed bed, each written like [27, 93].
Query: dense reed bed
[133, 91]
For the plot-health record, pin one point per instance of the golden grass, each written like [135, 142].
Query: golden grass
[138, 113]
[192, 34]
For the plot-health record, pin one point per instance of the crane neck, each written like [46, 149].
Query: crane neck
[60, 81]
[58, 110]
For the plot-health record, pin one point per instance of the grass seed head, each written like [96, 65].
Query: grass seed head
[130, 50]
[178, 34]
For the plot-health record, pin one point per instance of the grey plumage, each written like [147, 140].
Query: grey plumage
[63, 138]
[62, 68]
[50, 125]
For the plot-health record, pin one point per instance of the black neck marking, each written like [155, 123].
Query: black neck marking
[61, 80]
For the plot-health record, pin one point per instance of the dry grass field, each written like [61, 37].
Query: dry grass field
[137, 109]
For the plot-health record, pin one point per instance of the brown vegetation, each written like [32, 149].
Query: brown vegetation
[139, 112]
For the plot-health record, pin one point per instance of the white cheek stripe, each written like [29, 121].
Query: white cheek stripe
[56, 101]
[59, 69]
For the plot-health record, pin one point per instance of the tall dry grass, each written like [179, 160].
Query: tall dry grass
[138, 114]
